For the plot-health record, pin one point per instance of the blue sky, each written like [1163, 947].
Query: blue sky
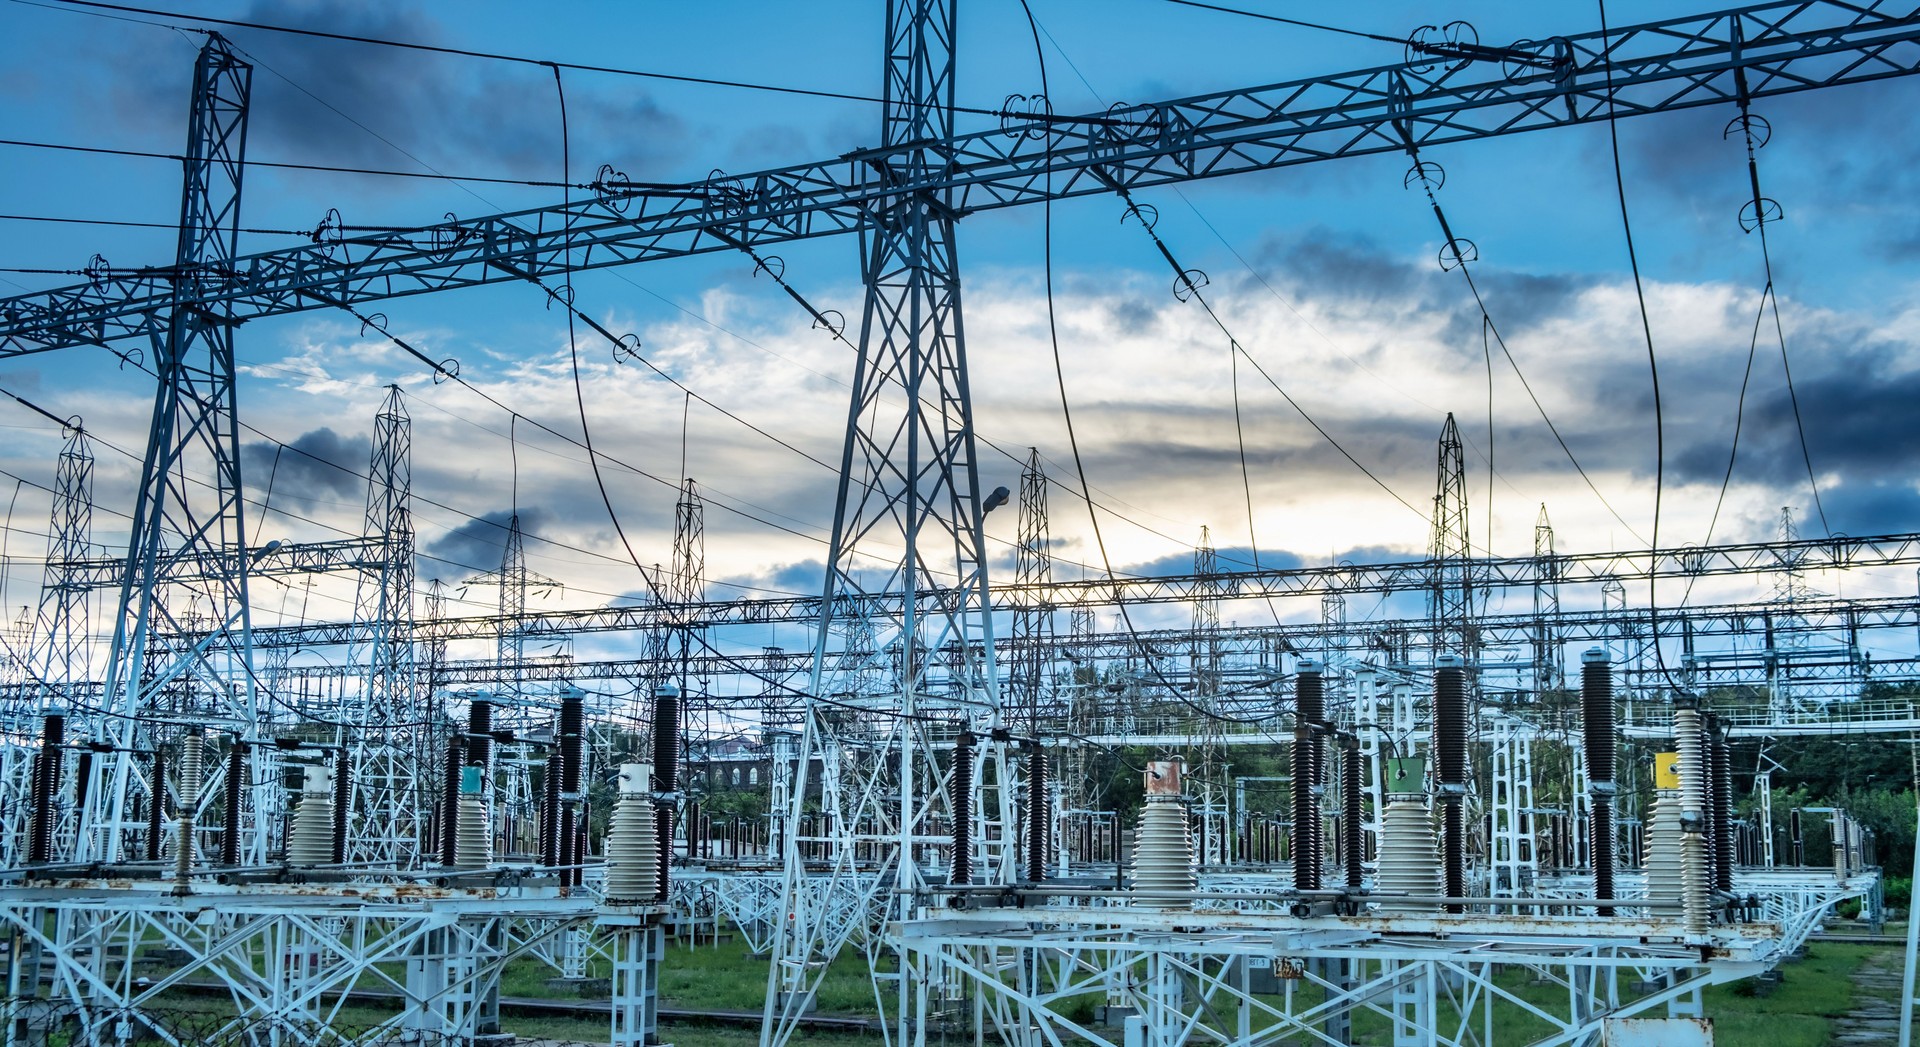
[1325, 272]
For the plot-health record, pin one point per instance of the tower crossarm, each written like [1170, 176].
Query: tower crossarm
[1750, 52]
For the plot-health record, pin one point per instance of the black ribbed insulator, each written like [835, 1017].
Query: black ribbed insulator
[1709, 774]
[450, 801]
[1722, 801]
[342, 803]
[479, 731]
[1450, 724]
[156, 799]
[45, 787]
[666, 740]
[578, 874]
[1039, 814]
[232, 794]
[1598, 745]
[1352, 844]
[1309, 713]
[39, 826]
[573, 715]
[963, 807]
[550, 812]
[1603, 851]
[1596, 715]
[666, 775]
[82, 781]
[1797, 843]
[1450, 754]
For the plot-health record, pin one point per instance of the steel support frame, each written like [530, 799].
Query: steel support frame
[1436, 985]
[284, 959]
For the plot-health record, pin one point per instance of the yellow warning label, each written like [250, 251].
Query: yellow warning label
[1666, 770]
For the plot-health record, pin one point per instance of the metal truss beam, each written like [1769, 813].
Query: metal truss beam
[1841, 552]
[274, 560]
[1753, 52]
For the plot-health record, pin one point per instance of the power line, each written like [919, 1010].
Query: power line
[289, 165]
[1290, 21]
[468, 53]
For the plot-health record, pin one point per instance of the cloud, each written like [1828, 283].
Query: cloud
[358, 105]
[477, 544]
[316, 467]
[1879, 507]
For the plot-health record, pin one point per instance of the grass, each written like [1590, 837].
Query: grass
[1798, 1012]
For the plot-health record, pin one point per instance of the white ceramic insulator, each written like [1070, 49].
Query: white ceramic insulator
[473, 840]
[1663, 848]
[311, 842]
[190, 752]
[633, 852]
[1694, 896]
[1163, 853]
[1409, 856]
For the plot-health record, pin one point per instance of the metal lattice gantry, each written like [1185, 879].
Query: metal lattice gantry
[903, 732]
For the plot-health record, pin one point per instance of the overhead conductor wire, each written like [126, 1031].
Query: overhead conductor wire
[593, 457]
[1073, 440]
[1653, 361]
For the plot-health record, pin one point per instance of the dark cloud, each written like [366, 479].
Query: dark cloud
[479, 543]
[1843, 150]
[1857, 416]
[1869, 508]
[317, 466]
[1322, 262]
[493, 116]
[1357, 276]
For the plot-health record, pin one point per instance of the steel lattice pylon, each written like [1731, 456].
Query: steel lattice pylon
[908, 517]
[392, 772]
[179, 526]
[62, 656]
[1450, 600]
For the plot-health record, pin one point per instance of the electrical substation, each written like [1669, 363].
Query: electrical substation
[220, 831]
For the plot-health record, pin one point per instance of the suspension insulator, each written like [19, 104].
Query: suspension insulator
[1450, 754]
[1039, 814]
[232, 794]
[963, 807]
[342, 803]
[1309, 715]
